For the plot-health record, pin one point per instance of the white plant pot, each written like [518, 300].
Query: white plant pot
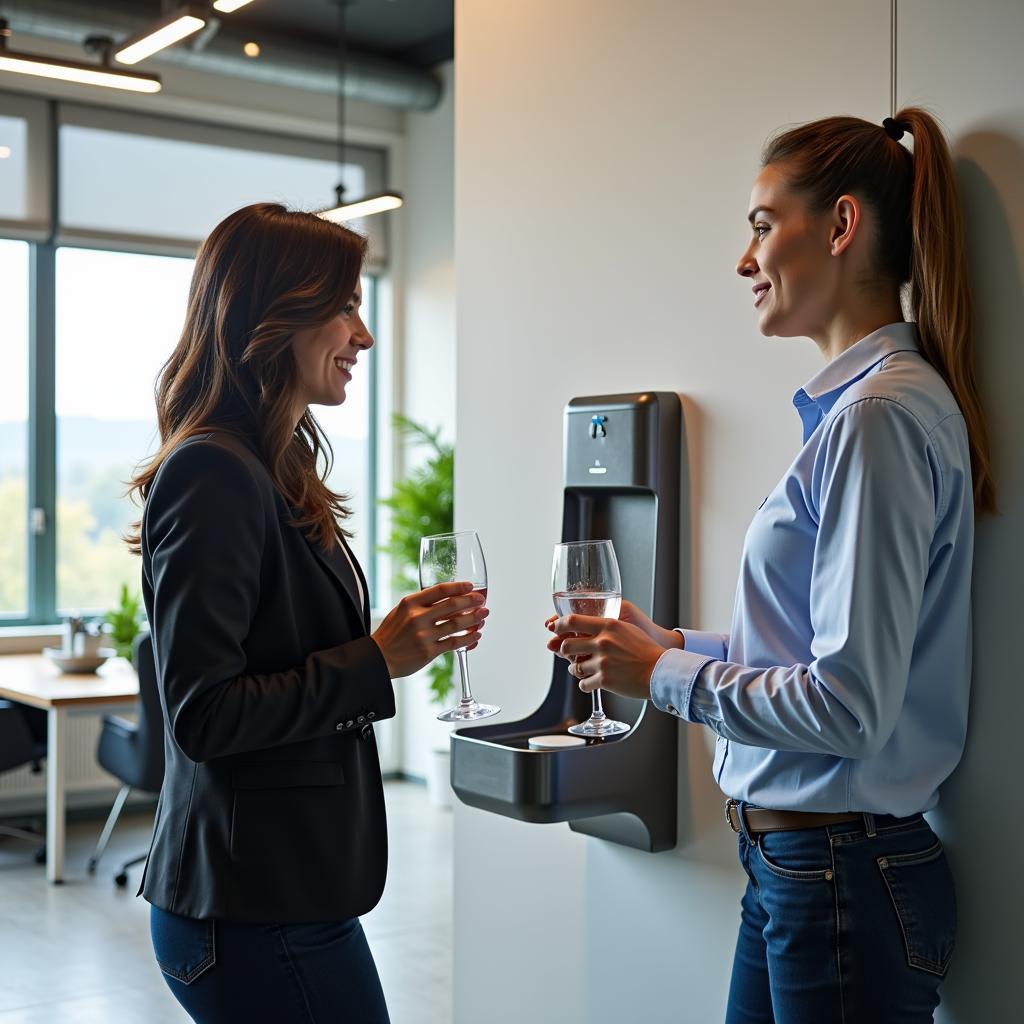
[439, 785]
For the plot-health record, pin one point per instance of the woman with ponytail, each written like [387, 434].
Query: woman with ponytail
[839, 698]
[270, 838]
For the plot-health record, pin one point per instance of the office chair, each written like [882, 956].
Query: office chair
[133, 751]
[22, 741]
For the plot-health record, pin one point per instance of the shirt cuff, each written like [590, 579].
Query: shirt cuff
[696, 640]
[673, 679]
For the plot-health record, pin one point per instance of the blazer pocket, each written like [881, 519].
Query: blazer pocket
[285, 813]
[287, 774]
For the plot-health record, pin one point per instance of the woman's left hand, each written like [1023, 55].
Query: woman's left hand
[606, 653]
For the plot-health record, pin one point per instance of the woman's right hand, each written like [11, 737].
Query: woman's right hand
[665, 637]
[420, 626]
[629, 612]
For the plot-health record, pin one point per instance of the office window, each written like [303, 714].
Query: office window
[109, 281]
[25, 172]
[148, 179]
[119, 316]
[122, 172]
[13, 168]
[13, 429]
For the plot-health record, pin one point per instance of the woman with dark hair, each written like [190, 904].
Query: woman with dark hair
[839, 698]
[270, 838]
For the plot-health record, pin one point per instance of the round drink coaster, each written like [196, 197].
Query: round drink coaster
[557, 741]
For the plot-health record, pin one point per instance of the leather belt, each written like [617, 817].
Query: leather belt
[760, 819]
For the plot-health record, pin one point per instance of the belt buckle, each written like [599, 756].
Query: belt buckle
[729, 805]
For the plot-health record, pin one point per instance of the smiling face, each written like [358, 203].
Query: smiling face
[326, 356]
[787, 262]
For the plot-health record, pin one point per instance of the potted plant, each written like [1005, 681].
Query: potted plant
[422, 503]
[124, 622]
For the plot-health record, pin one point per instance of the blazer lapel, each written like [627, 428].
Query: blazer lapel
[365, 609]
[336, 564]
[334, 561]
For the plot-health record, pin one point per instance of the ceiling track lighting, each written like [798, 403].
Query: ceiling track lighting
[185, 20]
[82, 73]
[181, 23]
[379, 202]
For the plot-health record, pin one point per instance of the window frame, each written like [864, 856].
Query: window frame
[44, 118]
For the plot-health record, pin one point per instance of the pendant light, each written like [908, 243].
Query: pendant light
[188, 19]
[379, 202]
[58, 68]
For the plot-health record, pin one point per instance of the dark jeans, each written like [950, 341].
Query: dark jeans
[225, 973]
[842, 927]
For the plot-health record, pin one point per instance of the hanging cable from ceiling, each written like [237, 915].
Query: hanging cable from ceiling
[893, 16]
[368, 205]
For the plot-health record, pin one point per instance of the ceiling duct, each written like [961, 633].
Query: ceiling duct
[283, 61]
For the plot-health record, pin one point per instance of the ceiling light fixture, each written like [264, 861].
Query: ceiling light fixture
[379, 202]
[72, 70]
[180, 24]
[229, 6]
[251, 49]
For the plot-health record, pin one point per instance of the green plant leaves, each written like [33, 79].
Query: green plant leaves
[124, 621]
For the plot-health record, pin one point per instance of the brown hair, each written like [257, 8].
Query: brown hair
[264, 273]
[919, 238]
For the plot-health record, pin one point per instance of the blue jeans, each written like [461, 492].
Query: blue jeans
[842, 927]
[224, 973]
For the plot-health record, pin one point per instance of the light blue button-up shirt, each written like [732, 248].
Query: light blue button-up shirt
[843, 685]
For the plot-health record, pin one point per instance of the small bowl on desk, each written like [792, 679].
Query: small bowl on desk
[78, 663]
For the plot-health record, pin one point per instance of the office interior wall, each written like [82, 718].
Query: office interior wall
[965, 64]
[604, 158]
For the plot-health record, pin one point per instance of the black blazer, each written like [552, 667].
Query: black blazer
[272, 807]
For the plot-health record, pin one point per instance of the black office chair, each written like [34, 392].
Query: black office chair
[22, 741]
[133, 751]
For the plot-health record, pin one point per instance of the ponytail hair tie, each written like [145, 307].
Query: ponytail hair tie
[892, 129]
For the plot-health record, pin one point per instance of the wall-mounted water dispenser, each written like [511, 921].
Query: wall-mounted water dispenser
[623, 462]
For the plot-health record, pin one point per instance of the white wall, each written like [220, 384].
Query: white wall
[427, 385]
[604, 157]
[966, 64]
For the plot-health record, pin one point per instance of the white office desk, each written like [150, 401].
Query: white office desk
[32, 679]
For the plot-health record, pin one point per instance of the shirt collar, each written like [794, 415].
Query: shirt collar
[815, 399]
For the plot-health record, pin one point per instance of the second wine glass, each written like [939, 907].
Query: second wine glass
[450, 558]
[585, 581]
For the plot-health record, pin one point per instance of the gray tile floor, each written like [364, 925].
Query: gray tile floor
[80, 952]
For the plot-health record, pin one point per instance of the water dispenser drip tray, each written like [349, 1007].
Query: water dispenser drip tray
[622, 482]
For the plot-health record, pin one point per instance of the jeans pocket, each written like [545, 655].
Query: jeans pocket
[184, 946]
[921, 888]
[804, 855]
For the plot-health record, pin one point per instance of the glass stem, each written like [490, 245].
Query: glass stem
[598, 707]
[467, 694]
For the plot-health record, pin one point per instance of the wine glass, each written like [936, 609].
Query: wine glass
[585, 581]
[446, 558]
